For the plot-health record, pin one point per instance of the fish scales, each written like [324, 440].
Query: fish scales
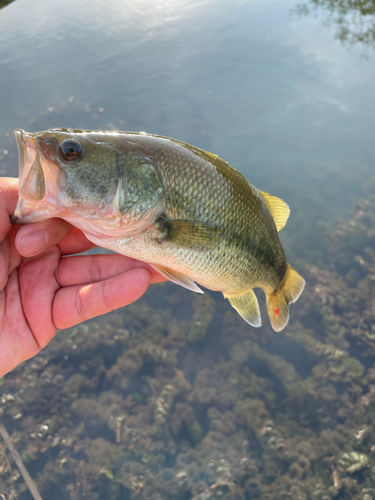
[200, 187]
[185, 211]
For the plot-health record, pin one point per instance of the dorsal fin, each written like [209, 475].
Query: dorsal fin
[278, 208]
[212, 154]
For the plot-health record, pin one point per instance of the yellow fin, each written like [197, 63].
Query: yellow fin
[278, 208]
[279, 300]
[246, 304]
[212, 154]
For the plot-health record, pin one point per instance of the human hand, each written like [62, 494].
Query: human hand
[42, 289]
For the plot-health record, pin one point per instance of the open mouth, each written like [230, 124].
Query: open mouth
[26, 150]
[31, 177]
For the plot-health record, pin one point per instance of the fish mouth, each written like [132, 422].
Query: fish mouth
[27, 148]
[31, 178]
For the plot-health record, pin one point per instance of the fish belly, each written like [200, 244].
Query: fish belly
[219, 269]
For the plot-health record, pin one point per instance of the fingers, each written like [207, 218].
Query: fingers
[84, 269]
[81, 302]
[8, 202]
[17, 342]
[38, 287]
[75, 242]
[33, 239]
[36, 238]
[9, 193]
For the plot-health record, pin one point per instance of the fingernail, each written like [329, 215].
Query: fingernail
[34, 243]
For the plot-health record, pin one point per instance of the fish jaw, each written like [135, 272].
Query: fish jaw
[39, 182]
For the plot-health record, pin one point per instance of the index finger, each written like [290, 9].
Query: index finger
[8, 202]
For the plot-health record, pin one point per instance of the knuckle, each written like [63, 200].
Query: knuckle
[57, 276]
[107, 297]
[95, 271]
[79, 306]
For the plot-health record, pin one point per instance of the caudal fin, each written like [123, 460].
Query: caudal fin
[279, 300]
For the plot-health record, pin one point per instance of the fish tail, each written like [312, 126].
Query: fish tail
[278, 301]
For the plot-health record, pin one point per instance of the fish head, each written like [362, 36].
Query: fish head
[98, 181]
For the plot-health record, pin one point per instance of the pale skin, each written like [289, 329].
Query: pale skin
[44, 288]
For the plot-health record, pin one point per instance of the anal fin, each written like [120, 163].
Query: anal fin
[246, 304]
[177, 278]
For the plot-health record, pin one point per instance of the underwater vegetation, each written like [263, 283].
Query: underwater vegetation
[175, 397]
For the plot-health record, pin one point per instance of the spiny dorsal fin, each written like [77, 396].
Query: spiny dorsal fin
[278, 208]
[212, 154]
[246, 304]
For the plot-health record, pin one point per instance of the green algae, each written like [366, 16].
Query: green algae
[175, 398]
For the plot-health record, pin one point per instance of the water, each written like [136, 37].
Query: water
[175, 397]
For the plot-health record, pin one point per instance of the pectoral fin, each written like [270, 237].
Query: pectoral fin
[246, 304]
[177, 278]
[278, 208]
[194, 235]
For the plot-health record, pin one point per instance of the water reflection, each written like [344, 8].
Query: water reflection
[353, 22]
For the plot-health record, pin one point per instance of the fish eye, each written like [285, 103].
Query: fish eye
[70, 150]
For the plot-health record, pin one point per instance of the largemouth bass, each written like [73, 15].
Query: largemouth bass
[185, 211]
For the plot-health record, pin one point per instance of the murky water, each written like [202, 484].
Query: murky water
[175, 397]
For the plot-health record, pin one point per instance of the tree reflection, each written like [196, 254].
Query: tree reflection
[354, 19]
